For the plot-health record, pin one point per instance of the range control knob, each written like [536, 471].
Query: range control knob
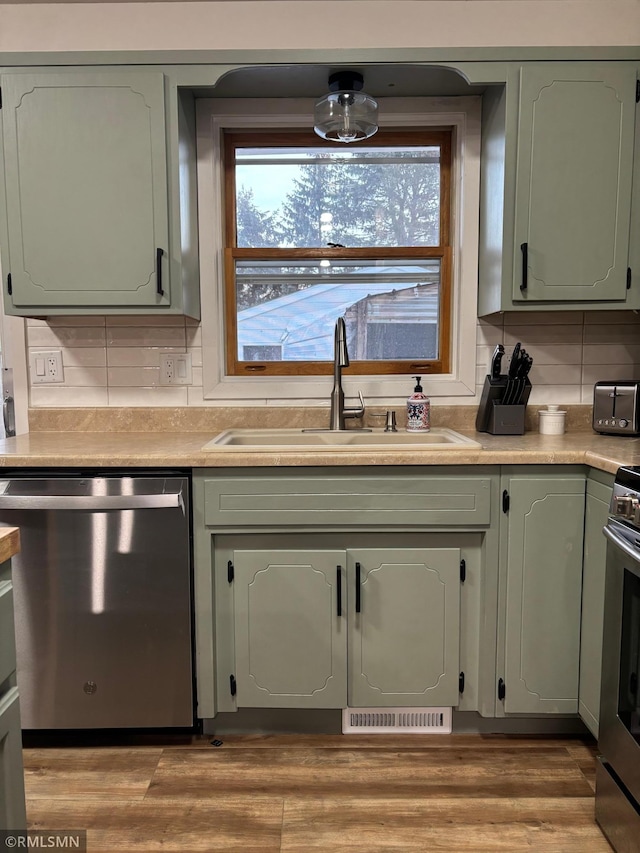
[623, 422]
[625, 506]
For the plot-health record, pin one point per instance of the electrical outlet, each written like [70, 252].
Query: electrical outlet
[175, 368]
[46, 367]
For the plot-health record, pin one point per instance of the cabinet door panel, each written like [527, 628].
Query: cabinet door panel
[404, 642]
[593, 585]
[7, 631]
[12, 805]
[290, 640]
[573, 188]
[86, 186]
[544, 576]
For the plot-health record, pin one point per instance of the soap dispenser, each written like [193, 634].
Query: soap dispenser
[418, 409]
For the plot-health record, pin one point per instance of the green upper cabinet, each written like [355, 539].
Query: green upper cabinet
[558, 172]
[88, 186]
[634, 248]
[573, 183]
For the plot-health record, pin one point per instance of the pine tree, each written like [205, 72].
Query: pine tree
[322, 208]
[255, 227]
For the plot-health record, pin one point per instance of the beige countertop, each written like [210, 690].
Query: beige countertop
[184, 449]
[9, 542]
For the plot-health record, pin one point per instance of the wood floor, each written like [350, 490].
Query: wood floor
[339, 794]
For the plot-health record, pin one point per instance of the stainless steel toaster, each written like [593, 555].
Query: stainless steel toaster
[616, 407]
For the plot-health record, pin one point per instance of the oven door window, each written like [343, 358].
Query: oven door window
[628, 700]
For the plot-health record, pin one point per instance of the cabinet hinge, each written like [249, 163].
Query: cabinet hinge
[628, 278]
[463, 571]
[637, 91]
[502, 689]
[461, 683]
[230, 572]
[232, 684]
[9, 285]
[506, 500]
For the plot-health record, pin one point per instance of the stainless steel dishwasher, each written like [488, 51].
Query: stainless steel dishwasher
[102, 594]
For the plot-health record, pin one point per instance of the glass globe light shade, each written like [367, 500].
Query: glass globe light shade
[346, 116]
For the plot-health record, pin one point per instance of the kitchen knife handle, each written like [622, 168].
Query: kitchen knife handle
[159, 290]
[339, 588]
[358, 598]
[496, 361]
[525, 265]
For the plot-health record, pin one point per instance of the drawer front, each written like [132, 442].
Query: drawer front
[7, 635]
[400, 501]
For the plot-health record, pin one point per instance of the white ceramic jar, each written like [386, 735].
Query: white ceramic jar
[551, 420]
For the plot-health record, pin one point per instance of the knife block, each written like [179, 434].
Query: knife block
[496, 418]
[506, 420]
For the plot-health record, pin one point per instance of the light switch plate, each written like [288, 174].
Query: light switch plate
[46, 367]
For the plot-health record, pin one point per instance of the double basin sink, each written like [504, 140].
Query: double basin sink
[255, 440]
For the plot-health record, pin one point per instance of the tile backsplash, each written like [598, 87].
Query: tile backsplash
[114, 361]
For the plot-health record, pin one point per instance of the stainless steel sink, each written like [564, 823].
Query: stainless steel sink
[255, 440]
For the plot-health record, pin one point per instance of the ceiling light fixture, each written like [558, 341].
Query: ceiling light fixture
[347, 113]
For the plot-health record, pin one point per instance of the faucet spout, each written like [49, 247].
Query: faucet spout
[340, 352]
[341, 359]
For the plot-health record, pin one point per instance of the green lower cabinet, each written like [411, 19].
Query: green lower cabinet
[290, 629]
[12, 800]
[12, 805]
[593, 584]
[541, 583]
[361, 628]
[404, 627]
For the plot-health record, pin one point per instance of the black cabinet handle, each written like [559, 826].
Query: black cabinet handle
[159, 290]
[339, 588]
[502, 690]
[358, 598]
[525, 265]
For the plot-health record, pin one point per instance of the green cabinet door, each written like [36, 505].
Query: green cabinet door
[404, 626]
[12, 805]
[290, 629]
[573, 183]
[593, 583]
[543, 589]
[86, 190]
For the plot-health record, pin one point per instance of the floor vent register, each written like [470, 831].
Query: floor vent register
[386, 720]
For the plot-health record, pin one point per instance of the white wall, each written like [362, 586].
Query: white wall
[292, 24]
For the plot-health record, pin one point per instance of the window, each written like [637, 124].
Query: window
[220, 118]
[315, 231]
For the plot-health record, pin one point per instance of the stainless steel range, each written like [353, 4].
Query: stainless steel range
[618, 771]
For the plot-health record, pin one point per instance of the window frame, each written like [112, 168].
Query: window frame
[296, 138]
[212, 115]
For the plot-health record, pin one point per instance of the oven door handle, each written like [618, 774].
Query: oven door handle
[92, 502]
[632, 552]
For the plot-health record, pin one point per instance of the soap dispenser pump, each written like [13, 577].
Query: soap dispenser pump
[418, 409]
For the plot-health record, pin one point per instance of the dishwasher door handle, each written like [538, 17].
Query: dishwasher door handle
[92, 502]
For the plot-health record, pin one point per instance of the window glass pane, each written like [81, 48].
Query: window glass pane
[288, 312]
[360, 197]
